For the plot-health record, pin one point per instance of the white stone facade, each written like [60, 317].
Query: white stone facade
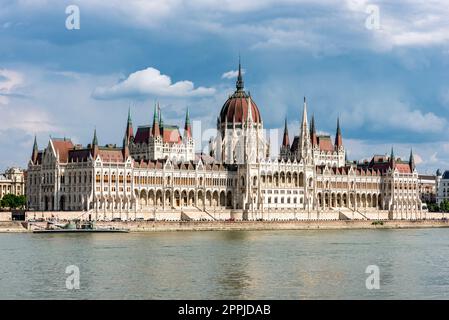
[155, 175]
[12, 181]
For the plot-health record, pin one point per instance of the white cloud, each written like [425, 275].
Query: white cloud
[20, 115]
[150, 82]
[9, 81]
[232, 74]
[27, 118]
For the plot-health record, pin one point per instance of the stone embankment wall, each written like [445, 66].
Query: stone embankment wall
[13, 226]
[146, 226]
[176, 215]
[5, 216]
[151, 226]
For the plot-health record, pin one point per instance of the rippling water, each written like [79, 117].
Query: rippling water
[227, 265]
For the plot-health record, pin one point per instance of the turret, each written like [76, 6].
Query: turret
[35, 151]
[94, 146]
[304, 135]
[338, 138]
[313, 132]
[187, 127]
[129, 128]
[285, 139]
[392, 161]
[411, 161]
[155, 130]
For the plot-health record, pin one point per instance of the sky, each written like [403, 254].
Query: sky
[381, 66]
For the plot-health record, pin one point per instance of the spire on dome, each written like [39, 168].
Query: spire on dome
[239, 84]
[338, 138]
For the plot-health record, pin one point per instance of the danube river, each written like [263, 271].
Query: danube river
[320, 264]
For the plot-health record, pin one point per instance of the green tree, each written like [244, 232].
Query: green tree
[12, 201]
[444, 206]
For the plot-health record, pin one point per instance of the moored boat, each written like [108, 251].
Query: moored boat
[78, 227]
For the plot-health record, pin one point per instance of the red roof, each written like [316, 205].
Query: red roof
[142, 134]
[111, 154]
[236, 108]
[403, 167]
[325, 143]
[170, 134]
[62, 147]
[79, 155]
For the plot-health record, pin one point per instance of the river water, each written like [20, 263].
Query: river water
[321, 264]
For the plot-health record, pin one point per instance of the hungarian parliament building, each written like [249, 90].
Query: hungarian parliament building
[156, 174]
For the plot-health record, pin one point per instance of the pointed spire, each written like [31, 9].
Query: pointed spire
[155, 130]
[392, 161]
[313, 131]
[286, 140]
[304, 113]
[161, 122]
[129, 128]
[304, 149]
[35, 150]
[412, 160]
[338, 138]
[187, 127]
[239, 84]
[94, 145]
[95, 139]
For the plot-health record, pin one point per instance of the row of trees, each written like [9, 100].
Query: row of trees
[443, 207]
[11, 201]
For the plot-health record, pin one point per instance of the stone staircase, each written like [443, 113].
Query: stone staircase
[349, 214]
[195, 214]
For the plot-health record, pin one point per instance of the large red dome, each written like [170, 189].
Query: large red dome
[235, 109]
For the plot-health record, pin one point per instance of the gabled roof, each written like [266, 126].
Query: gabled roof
[170, 134]
[325, 143]
[79, 155]
[111, 154]
[142, 134]
[62, 147]
[403, 167]
[295, 144]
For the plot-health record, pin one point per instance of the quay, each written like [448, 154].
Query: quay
[159, 226]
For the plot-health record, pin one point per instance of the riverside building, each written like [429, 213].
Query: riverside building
[155, 174]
